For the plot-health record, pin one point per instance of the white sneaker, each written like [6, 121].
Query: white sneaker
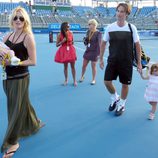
[113, 104]
[93, 82]
[120, 110]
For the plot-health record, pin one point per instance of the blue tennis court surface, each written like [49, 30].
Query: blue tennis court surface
[78, 124]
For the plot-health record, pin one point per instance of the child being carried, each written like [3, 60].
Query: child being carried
[8, 55]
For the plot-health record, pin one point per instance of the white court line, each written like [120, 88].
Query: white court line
[80, 48]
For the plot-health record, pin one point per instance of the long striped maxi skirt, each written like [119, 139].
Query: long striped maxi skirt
[22, 119]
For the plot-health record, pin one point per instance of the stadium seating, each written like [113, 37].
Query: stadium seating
[102, 11]
[36, 21]
[133, 11]
[4, 20]
[6, 8]
[146, 10]
[108, 12]
[49, 19]
[82, 11]
[111, 12]
[42, 15]
[41, 12]
[64, 11]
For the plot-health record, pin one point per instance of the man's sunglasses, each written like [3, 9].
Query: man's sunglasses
[19, 17]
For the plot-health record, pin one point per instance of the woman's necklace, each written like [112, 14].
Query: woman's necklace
[14, 42]
[90, 37]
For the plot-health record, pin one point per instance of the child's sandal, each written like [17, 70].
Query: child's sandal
[151, 116]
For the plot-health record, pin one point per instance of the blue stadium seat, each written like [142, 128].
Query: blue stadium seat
[64, 13]
[7, 7]
[41, 12]
[106, 11]
[101, 10]
[81, 11]
[146, 10]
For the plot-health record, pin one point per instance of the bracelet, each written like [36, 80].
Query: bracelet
[20, 63]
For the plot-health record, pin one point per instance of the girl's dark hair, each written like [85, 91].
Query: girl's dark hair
[153, 67]
[126, 7]
[63, 28]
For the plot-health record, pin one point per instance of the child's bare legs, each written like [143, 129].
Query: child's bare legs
[73, 72]
[153, 110]
[66, 73]
[154, 105]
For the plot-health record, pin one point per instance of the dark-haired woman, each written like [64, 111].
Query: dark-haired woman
[66, 53]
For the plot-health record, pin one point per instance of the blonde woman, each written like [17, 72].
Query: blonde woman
[92, 42]
[22, 119]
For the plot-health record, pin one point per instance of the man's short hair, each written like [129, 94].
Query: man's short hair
[126, 7]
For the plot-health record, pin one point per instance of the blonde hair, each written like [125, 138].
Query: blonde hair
[93, 21]
[27, 23]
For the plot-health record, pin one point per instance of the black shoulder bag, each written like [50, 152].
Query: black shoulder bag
[144, 58]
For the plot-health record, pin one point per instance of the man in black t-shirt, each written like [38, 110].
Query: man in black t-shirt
[120, 58]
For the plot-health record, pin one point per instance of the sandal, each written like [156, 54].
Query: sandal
[151, 116]
[65, 83]
[11, 153]
[41, 124]
[82, 79]
[75, 84]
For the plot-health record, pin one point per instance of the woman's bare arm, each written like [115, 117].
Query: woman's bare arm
[31, 48]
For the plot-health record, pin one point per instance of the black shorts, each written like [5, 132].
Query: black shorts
[114, 70]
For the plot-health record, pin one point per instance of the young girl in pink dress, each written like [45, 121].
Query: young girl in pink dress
[151, 93]
[66, 53]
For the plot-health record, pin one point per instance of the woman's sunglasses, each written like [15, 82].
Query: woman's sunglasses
[19, 17]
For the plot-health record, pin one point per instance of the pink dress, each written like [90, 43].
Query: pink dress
[151, 93]
[66, 52]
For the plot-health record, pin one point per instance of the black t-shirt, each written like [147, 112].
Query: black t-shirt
[120, 43]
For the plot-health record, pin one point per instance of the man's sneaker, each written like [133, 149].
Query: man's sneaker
[113, 105]
[119, 111]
